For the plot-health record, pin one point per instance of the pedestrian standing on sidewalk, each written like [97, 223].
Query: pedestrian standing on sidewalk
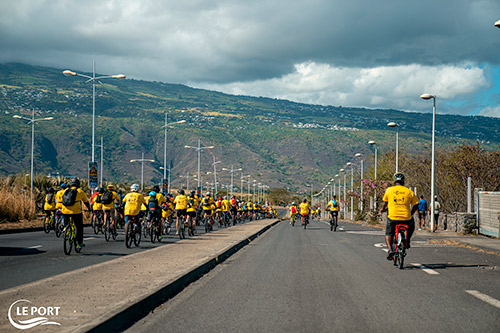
[422, 211]
[437, 207]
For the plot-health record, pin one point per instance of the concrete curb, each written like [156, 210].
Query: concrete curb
[127, 317]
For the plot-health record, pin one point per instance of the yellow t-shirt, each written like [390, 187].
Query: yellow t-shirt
[97, 205]
[133, 202]
[49, 205]
[399, 199]
[225, 205]
[112, 204]
[332, 207]
[304, 208]
[193, 204]
[181, 202]
[294, 211]
[208, 206]
[59, 195]
[77, 207]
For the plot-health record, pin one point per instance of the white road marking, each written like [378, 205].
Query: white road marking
[379, 245]
[89, 238]
[34, 247]
[425, 269]
[485, 298]
[385, 250]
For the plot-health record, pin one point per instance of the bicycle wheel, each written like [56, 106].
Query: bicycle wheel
[137, 234]
[152, 232]
[58, 227]
[402, 251]
[205, 222]
[95, 224]
[68, 241]
[129, 234]
[113, 232]
[331, 224]
[335, 223]
[107, 230]
[46, 224]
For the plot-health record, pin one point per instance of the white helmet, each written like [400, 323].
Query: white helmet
[208, 193]
[134, 187]
[293, 203]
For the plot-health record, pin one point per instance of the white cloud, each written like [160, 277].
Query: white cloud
[490, 112]
[396, 87]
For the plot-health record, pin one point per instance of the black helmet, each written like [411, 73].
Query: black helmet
[304, 200]
[334, 196]
[181, 192]
[100, 190]
[193, 192]
[51, 190]
[75, 182]
[156, 188]
[399, 177]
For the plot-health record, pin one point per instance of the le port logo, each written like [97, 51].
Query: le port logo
[24, 315]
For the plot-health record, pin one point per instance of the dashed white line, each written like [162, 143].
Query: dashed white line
[425, 269]
[89, 238]
[34, 247]
[485, 298]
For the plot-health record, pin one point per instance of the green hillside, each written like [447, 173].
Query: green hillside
[280, 143]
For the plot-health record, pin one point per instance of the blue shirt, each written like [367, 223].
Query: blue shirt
[422, 205]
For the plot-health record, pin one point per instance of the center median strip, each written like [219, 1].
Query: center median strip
[110, 295]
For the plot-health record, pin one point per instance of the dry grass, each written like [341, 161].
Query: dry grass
[464, 245]
[15, 204]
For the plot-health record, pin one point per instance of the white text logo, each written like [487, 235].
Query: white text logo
[28, 310]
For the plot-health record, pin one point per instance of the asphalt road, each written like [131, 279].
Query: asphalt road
[315, 280]
[31, 256]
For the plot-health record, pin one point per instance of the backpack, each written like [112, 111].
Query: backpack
[107, 198]
[219, 203]
[234, 203]
[335, 204]
[98, 198]
[293, 209]
[205, 202]
[69, 197]
[152, 203]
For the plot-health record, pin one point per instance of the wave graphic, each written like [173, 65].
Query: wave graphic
[29, 323]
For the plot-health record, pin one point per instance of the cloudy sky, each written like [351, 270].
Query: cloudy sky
[374, 54]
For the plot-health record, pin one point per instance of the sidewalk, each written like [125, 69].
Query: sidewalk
[104, 295]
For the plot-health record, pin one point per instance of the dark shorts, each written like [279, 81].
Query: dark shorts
[181, 213]
[390, 227]
[208, 212]
[422, 214]
[191, 214]
[334, 213]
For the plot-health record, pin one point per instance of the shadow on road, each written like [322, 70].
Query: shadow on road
[18, 251]
[445, 266]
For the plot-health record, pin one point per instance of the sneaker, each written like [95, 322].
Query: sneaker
[177, 233]
[160, 237]
[80, 246]
[419, 228]
[424, 227]
[390, 255]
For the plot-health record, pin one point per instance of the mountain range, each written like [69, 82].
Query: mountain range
[277, 142]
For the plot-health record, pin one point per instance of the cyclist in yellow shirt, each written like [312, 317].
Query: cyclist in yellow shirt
[208, 204]
[132, 204]
[192, 208]
[49, 205]
[73, 209]
[304, 211]
[59, 195]
[334, 207]
[108, 199]
[399, 199]
[181, 205]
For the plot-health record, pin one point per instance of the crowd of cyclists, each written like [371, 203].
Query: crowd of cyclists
[155, 213]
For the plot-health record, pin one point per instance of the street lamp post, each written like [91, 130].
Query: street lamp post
[352, 188]
[199, 149]
[242, 180]
[102, 164]
[392, 124]
[361, 168]
[32, 121]
[166, 126]
[232, 170]
[215, 172]
[142, 160]
[433, 157]
[93, 79]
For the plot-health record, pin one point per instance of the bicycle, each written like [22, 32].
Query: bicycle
[97, 223]
[70, 238]
[399, 245]
[305, 220]
[109, 230]
[293, 219]
[333, 223]
[59, 227]
[48, 223]
[133, 231]
[155, 228]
